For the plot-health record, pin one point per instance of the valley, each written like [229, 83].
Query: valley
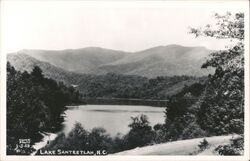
[117, 74]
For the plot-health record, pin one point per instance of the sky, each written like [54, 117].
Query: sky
[126, 26]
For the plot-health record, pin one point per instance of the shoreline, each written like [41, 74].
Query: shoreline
[46, 137]
[124, 101]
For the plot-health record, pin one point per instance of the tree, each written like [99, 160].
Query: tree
[37, 73]
[222, 109]
[100, 140]
[34, 106]
[181, 113]
[77, 138]
[141, 132]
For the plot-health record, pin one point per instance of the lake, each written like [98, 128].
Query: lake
[114, 118]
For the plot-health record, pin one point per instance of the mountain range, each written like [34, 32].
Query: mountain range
[167, 60]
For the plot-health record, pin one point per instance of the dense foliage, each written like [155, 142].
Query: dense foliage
[140, 134]
[222, 109]
[181, 114]
[34, 105]
[236, 147]
[114, 85]
[81, 139]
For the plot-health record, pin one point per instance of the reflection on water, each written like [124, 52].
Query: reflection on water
[114, 118]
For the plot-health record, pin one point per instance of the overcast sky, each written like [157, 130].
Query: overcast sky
[129, 27]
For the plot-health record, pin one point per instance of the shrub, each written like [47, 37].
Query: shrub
[160, 134]
[203, 145]
[192, 130]
[236, 147]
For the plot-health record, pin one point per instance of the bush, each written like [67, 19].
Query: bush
[203, 145]
[236, 147]
[193, 130]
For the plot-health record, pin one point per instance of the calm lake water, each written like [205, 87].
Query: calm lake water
[114, 118]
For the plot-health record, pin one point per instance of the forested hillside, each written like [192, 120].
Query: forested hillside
[130, 86]
[34, 105]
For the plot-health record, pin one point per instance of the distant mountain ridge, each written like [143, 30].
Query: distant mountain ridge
[167, 60]
[77, 60]
[23, 62]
